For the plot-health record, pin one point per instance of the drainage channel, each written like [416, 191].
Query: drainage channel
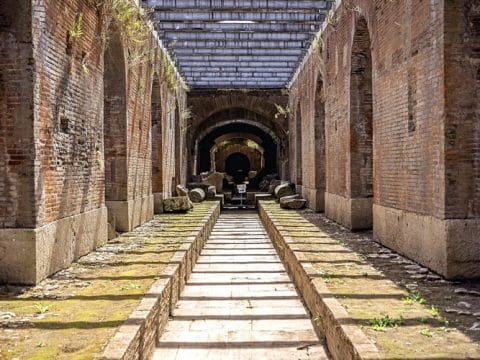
[239, 302]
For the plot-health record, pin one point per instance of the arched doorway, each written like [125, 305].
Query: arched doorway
[157, 144]
[361, 127]
[115, 127]
[237, 165]
[218, 142]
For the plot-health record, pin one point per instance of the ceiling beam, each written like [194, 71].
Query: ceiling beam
[242, 27]
[298, 5]
[232, 36]
[241, 51]
[257, 16]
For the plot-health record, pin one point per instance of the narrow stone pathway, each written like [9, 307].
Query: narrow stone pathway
[239, 302]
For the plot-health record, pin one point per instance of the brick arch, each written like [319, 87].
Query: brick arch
[115, 118]
[157, 133]
[361, 116]
[319, 136]
[254, 103]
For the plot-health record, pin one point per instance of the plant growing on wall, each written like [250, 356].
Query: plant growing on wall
[282, 111]
[76, 31]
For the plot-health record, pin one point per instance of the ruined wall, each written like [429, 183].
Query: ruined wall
[423, 174]
[17, 152]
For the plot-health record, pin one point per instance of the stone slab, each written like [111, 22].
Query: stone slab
[131, 213]
[28, 256]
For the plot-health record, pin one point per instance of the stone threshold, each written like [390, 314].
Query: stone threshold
[138, 336]
[344, 340]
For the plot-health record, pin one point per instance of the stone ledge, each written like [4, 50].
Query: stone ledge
[28, 256]
[137, 337]
[344, 341]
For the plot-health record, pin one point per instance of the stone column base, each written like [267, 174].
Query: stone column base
[129, 214]
[315, 199]
[299, 189]
[355, 214]
[450, 247]
[157, 203]
[28, 256]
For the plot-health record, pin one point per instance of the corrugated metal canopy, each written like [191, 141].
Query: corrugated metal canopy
[246, 44]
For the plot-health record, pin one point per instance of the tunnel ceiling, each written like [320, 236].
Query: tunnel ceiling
[246, 44]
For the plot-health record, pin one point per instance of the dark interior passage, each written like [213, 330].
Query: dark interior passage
[237, 165]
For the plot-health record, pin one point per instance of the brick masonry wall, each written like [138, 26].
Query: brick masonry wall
[68, 101]
[308, 117]
[17, 153]
[408, 101]
[52, 118]
[462, 121]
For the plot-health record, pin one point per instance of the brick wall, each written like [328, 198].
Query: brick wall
[57, 162]
[68, 110]
[462, 119]
[407, 63]
[17, 153]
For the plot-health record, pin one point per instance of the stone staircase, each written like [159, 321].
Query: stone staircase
[239, 302]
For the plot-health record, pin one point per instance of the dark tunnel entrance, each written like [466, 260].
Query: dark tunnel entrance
[242, 151]
[237, 165]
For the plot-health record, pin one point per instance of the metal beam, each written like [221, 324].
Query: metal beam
[260, 64]
[242, 51]
[189, 69]
[298, 5]
[258, 16]
[240, 27]
[237, 58]
[195, 44]
[232, 36]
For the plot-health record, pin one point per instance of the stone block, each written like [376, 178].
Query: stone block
[177, 204]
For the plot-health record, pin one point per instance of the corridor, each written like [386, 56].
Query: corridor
[239, 302]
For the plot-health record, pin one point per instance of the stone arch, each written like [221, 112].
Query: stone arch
[178, 149]
[298, 145]
[157, 141]
[237, 116]
[319, 145]
[269, 141]
[361, 119]
[115, 119]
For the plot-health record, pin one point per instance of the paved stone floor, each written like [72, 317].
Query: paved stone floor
[239, 302]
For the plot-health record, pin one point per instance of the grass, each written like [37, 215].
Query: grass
[40, 308]
[414, 296]
[381, 324]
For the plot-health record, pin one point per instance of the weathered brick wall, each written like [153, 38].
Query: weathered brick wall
[68, 110]
[62, 172]
[307, 104]
[407, 59]
[462, 119]
[17, 153]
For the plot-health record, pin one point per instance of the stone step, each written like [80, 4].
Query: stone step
[239, 302]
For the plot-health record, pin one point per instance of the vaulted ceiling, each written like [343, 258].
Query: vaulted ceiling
[246, 44]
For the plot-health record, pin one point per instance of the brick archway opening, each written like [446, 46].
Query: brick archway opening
[115, 119]
[361, 123]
